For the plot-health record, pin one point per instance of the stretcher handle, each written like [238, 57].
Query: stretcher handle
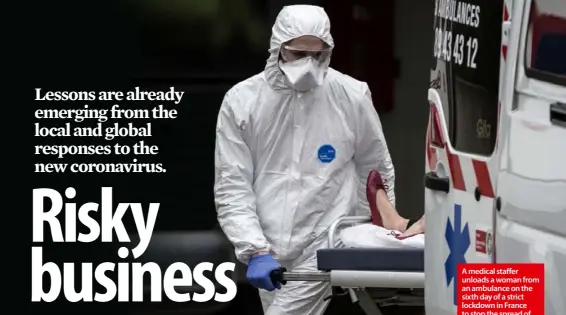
[277, 276]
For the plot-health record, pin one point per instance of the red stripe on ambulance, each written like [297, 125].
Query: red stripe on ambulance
[483, 178]
[481, 172]
[456, 172]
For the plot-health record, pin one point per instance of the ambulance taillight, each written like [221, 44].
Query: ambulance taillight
[434, 133]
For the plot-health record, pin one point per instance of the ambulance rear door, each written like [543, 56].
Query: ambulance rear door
[531, 185]
[459, 182]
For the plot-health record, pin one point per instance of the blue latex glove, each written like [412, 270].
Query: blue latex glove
[259, 271]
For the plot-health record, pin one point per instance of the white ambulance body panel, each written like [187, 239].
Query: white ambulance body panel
[531, 224]
[497, 192]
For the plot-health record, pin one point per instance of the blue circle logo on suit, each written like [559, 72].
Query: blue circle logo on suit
[326, 153]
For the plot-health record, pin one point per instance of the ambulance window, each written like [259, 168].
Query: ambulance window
[546, 41]
[473, 73]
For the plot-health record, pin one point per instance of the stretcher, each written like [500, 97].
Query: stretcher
[373, 277]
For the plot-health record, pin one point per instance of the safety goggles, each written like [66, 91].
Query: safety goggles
[318, 54]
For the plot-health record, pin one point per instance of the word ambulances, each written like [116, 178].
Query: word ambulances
[495, 169]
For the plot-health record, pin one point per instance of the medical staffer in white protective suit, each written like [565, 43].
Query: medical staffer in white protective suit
[294, 146]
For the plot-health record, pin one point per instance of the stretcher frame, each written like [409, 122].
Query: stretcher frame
[360, 283]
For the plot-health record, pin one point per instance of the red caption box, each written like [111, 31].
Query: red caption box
[500, 289]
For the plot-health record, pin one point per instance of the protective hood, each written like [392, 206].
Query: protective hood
[292, 22]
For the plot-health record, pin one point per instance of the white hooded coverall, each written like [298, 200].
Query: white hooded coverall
[278, 186]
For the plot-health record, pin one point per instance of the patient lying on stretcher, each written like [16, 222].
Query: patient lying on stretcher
[388, 227]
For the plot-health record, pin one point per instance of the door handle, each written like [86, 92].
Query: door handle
[433, 182]
[558, 114]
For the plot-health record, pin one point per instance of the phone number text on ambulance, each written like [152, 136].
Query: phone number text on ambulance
[455, 48]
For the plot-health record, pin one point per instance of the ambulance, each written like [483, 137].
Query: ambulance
[495, 181]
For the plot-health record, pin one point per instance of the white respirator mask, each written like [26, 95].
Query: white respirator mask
[303, 74]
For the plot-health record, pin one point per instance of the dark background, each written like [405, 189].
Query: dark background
[201, 47]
